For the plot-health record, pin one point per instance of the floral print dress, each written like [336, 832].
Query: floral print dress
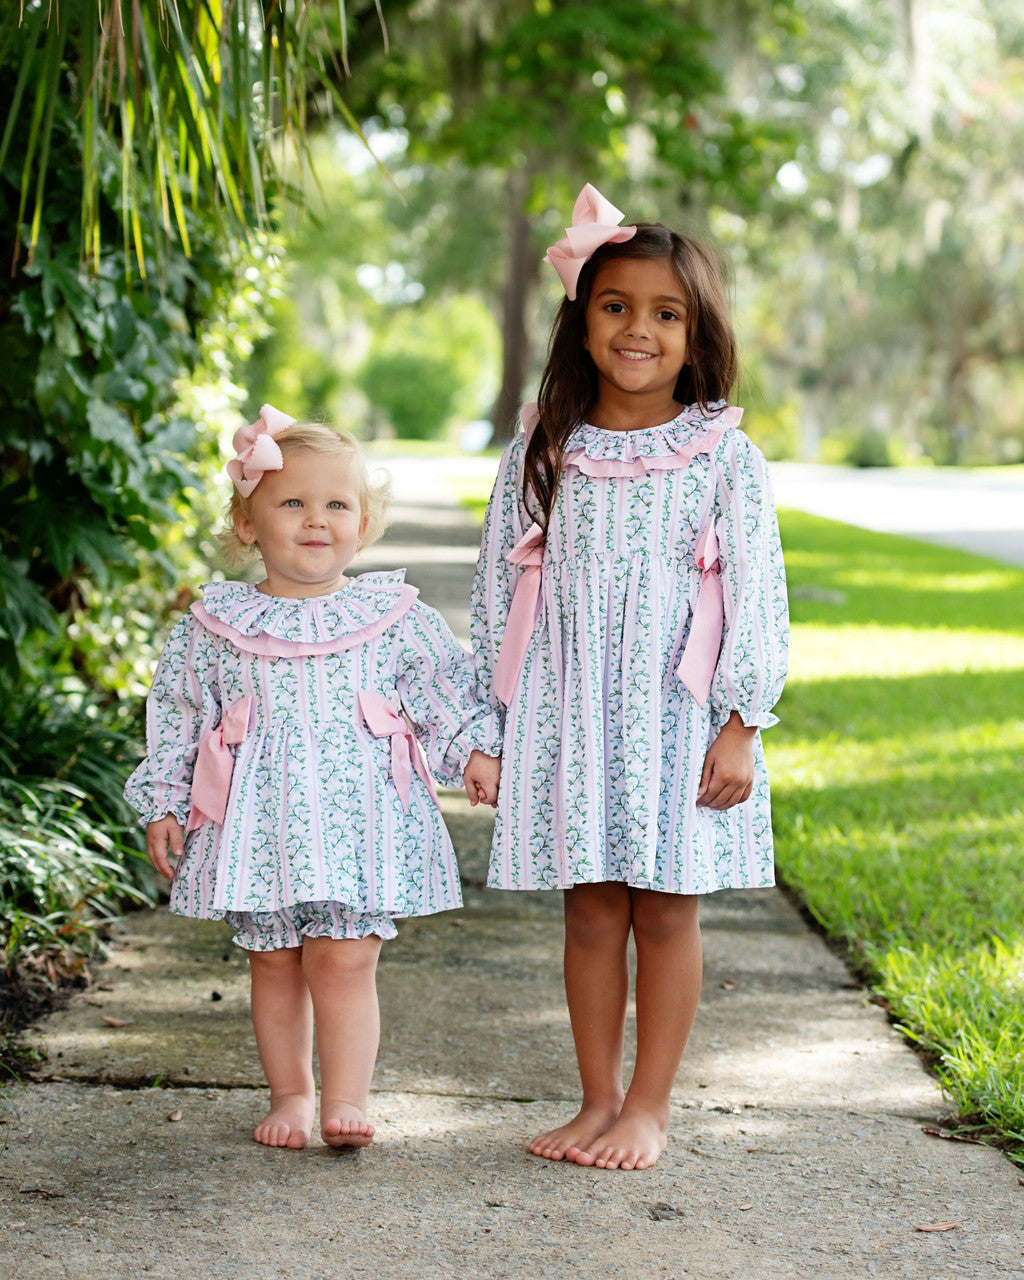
[289, 719]
[604, 744]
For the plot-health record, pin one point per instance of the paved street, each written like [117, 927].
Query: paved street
[977, 511]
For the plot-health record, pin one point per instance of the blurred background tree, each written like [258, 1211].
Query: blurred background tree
[854, 160]
[490, 119]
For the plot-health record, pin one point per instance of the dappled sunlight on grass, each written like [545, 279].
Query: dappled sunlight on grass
[953, 758]
[821, 652]
[972, 1005]
[947, 583]
[897, 783]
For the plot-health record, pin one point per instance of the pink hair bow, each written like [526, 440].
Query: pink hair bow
[257, 449]
[595, 221]
[384, 721]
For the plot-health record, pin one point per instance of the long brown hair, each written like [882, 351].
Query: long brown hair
[568, 388]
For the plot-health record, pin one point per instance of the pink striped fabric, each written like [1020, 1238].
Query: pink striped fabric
[603, 741]
[312, 811]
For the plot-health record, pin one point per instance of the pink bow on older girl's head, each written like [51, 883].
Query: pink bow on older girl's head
[257, 450]
[595, 221]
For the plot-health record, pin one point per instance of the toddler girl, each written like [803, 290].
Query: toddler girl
[283, 773]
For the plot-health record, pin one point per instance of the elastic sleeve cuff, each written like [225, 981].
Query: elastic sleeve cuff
[180, 812]
[751, 719]
[483, 735]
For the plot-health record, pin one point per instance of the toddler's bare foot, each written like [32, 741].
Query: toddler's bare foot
[567, 1140]
[343, 1125]
[634, 1141]
[288, 1122]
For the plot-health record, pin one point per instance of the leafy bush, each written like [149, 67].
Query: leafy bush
[870, 448]
[70, 851]
[91, 447]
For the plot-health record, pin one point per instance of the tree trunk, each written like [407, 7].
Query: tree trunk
[522, 272]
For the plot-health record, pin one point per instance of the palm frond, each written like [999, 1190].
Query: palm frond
[193, 97]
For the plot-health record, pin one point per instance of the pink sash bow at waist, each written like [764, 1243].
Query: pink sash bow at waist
[211, 778]
[522, 613]
[700, 654]
[384, 721]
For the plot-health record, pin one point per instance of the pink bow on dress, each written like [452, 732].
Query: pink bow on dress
[384, 721]
[700, 654]
[257, 449]
[522, 612]
[594, 223]
[211, 778]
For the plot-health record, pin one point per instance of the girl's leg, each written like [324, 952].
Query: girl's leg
[666, 931]
[597, 921]
[282, 1018]
[342, 980]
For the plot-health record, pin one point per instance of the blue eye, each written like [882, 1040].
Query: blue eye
[336, 506]
[292, 502]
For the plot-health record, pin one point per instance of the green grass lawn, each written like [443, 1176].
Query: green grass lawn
[897, 783]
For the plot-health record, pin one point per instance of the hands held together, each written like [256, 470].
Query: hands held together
[480, 778]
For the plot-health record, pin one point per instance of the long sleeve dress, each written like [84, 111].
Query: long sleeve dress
[279, 730]
[603, 742]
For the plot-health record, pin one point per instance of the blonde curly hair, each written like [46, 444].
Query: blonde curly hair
[312, 437]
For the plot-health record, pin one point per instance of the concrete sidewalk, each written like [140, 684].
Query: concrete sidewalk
[797, 1140]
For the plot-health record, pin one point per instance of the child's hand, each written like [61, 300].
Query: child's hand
[728, 774]
[480, 778]
[163, 837]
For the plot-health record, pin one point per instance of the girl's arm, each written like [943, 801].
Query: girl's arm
[755, 645]
[437, 687]
[495, 577]
[183, 703]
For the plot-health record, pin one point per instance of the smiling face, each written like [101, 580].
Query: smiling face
[636, 337]
[307, 522]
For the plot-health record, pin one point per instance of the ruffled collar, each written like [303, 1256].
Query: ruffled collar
[278, 626]
[598, 451]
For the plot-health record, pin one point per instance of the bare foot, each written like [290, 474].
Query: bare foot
[288, 1122]
[634, 1141]
[343, 1125]
[569, 1139]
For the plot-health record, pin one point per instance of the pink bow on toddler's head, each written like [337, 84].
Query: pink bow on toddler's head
[595, 221]
[257, 449]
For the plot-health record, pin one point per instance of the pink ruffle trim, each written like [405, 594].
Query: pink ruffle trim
[268, 646]
[679, 457]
